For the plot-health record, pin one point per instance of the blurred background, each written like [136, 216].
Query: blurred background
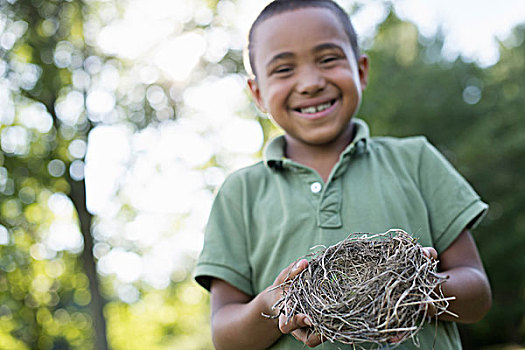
[119, 120]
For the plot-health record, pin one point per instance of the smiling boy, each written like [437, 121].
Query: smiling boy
[317, 125]
[323, 179]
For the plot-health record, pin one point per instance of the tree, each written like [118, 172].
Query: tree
[46, 48]
[58, 88]
[473, 116]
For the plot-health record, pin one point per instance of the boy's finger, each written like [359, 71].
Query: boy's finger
[306, 334]
[313, 340]
[297, 268]
[294, 323]
[284, 273]
[430, 252]
[397, 338]
[300, 328]
[291, 271]
[307, 337]
[288, 326]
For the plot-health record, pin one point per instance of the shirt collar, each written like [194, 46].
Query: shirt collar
[275, 158]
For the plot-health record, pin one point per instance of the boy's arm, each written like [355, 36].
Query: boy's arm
[236, 319]
[467, 280]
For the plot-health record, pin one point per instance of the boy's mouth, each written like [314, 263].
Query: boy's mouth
[315, 109]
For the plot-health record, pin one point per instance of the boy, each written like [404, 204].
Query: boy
[322, 180]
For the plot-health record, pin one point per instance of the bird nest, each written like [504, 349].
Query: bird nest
[366, 289]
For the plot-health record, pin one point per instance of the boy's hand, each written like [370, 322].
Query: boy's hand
[299, 325]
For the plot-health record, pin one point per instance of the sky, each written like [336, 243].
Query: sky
[471, 27]
[155, 170]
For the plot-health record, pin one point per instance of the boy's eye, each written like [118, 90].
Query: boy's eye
[328, 59]
[281, 70]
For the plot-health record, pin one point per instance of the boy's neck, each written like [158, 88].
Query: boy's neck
[321, 158]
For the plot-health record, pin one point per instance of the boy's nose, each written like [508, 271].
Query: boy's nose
[310, 81]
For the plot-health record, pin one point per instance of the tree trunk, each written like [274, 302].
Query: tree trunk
[78, 196]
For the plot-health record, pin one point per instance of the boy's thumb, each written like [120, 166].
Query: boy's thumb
[300, 265]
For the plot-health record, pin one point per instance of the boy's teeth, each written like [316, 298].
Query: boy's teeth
[314, 109]
[309, 110]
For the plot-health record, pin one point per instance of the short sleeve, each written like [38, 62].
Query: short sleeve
[224, 253]
[452, 203]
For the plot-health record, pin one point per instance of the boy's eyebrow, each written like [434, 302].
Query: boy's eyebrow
[327, 46]
[280, 56]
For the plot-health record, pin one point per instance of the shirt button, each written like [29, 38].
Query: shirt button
[315, 187]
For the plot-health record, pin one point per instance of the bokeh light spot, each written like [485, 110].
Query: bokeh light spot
[56, 168]
[76, 170]
[179, 56]
[36, 117]
[4, 235]
[77, 148]
[100, 102]
[15, 140]
[471, 94]
[64, 236]
[70, 107]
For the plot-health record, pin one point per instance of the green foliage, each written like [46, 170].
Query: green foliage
[47, 71]
[174, 318]
[40, 299]
[45, 293]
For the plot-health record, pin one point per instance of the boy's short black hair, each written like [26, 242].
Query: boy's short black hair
[279, 6]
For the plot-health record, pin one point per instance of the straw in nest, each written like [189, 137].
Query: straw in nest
[366, 289]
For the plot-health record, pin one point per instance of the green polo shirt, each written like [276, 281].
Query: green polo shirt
[269, 214]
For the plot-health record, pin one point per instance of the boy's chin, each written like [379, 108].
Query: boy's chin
[328, 139]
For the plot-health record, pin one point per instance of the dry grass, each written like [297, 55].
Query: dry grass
[367, 288]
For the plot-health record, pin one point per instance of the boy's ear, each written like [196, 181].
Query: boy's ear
[256, 93]
[362, 66]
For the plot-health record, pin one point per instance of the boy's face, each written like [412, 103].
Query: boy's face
[307, 75]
